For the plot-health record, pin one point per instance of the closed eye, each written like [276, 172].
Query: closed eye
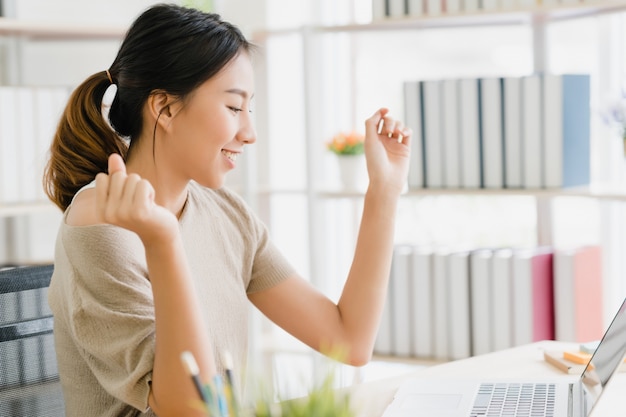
[235, 109]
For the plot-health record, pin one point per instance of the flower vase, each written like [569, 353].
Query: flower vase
[353, 172]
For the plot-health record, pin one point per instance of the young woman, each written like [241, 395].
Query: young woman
[155, 257]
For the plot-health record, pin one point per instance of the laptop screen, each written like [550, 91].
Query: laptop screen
[607, 358]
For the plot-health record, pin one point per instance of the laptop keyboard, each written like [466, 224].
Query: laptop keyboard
[514, 399]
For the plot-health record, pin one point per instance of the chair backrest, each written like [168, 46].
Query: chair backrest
[29, 378]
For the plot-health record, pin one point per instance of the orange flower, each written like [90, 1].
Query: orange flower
[347, 143]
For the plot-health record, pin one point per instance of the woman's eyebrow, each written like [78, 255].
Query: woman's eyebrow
[240, 92]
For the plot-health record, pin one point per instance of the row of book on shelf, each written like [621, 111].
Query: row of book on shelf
[28, 120]
[390, 9]
[499, 132]
[448, 304]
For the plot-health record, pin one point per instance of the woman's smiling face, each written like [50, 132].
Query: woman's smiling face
[209, 131]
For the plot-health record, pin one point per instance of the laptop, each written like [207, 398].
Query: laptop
[505, 397]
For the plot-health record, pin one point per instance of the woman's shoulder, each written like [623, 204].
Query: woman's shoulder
[82, 211]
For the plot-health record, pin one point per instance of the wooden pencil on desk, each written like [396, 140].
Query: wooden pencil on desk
[556, 359]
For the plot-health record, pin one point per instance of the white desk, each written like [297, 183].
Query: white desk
[370, 399]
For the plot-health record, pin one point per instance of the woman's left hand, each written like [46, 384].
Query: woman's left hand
[387, 151]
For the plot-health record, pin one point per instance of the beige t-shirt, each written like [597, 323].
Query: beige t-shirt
[101, 298]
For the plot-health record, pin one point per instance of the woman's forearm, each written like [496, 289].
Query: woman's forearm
[364, 294]
[179, 327]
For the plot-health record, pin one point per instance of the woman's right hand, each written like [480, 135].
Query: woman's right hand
[127, 200]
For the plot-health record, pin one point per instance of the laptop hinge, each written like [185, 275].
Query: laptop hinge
[570, 400]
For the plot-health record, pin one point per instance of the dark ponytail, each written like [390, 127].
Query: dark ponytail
[82, 143]
[169, 48]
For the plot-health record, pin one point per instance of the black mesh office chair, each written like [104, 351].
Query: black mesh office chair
[29, 379]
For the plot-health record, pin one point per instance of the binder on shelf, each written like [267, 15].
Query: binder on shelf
[434, 7]
[532, 148]
[413, 119]
[441, 323]
[401, 316]
[469, 114]
[379, 10]
[415, 8]
[491, 132]
[27, 171]
[508, 4]
[533, 304]
[481, 305]
[566, 131]
[9, 147]
[458, 276]
[578, 294]
[451, 146]
[489, 5]
[421, 304]
[452, 6]
[501, 299]
[470, 6]
[433, 156]
[48, 105]
[396, 8]
[512, 118]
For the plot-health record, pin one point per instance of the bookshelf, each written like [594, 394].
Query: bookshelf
[315, 191]
[28, 225]
[59, 31]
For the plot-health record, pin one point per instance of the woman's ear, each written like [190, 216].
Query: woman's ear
[159, 106]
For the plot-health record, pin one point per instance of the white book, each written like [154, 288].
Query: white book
[532, 149]
[522, 288]
[480, 290]
[578, 294]
[512, 97]
[400, 282]
[9, 147]
[434, 7]
[501, 298]
[413, 119]
[489, 5]
[415, 8]
[460, 345]
[533, 301]
[379, 10]
[453, 6]
[451, 146]
[508, 4]
[441, 323]
[566, 130]
[433, 158]
[28, 174]
[397, 8]
[421, 302]
[564, 304]
[470, 6]
[46, 119]
[491, 132]
[469, 133]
